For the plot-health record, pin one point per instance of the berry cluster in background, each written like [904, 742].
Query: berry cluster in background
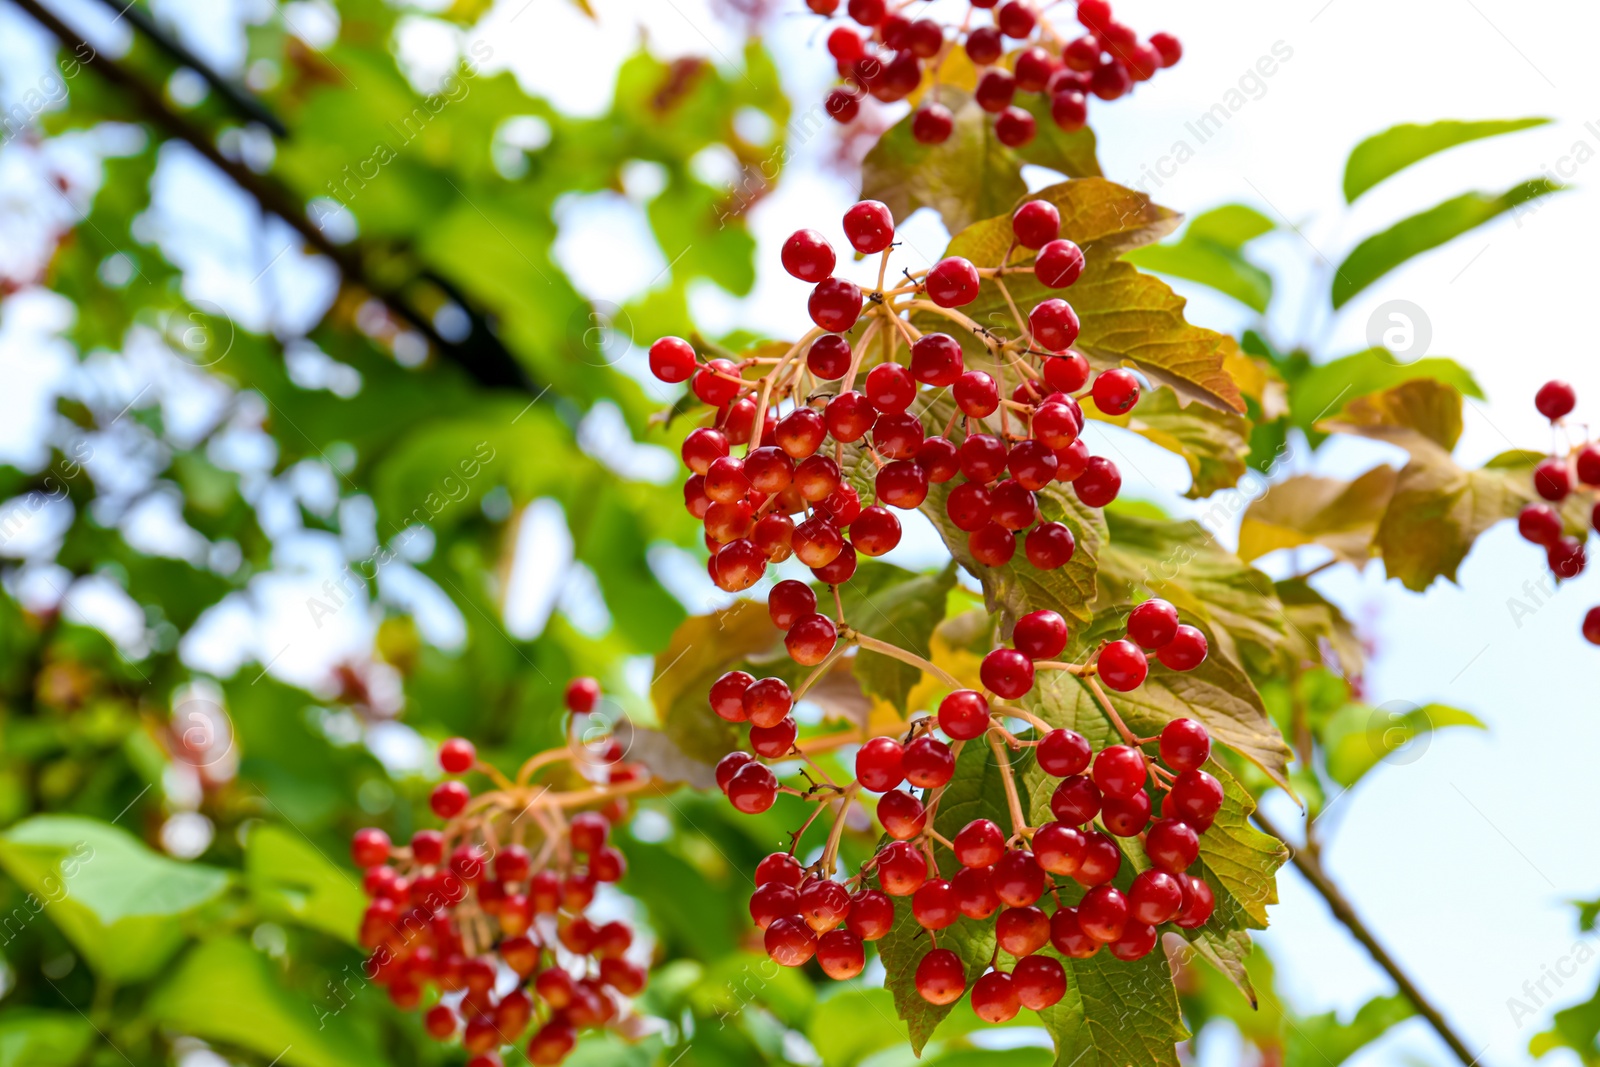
[1046, 885]
[884, 53]
[791, 494]
[485, 923]
[1570, 474]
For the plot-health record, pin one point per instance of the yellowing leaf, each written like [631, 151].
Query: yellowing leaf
[1309, 509]
[1420, 410]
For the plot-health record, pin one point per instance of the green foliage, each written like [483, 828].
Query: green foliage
[1385, 154]
[1211, 252]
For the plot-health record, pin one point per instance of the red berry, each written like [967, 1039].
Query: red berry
[1116, 391]
[727, 696]
[807, 254]
[902, 484]
[1186, 650]
[767, 702]
[932, 124]
[457, 755]
[1036, 223]
[939, 458]
[980, 843]
[829, 359]
[976, 394]
[868, 12]
[1069, 109]
[1066, 373]
[1015, 127]
[840, 954]
[869, 227]
[1022, 931]
[933, 906]
[995, 90]
[879, 764]
[1033, 465]
[370, 847]
[1199, 901]
[1072, 461]
[1099, 483]
[871, 914]
[846, 46]
[1153, 623]
[1058, 265]
[1120, 771]
[449, 799]
[902, 868]
[1196, 795]
[553, 1042]
[936, 357]
[1566, 558]
[582, 695]
[1068, 938]
[1034, 67]
[902, 815]
[1111, 80]
[928, 762]
[925, 38]
[1555, 400]
[1122, 666]
[1185, 745]
[983, 457]
[427, 847]
[1063, 753]
[753, 788]
[1103, 913]
[1137, 941]
[811, 639]
[964, 715]
[790, 942]
[835, 305]
[1058, 848]
[1172, 845]
[952, 282]
[1054, 324]
[1168, 47]
[940, 978]
[1126, 816]
[1040, 635]
[772, 902]
[975, 894]
[994, 998]
[891, 387]
[875, 531]
[984, 45]
[780, 867]
[1591, 626]
[849, 416]
[1075, 801]
[1050, 545]
[1018, 880]
[672, 359]
[1540, 523]
[588, 831]
[1552, 479]
[1587, 463]
[823, 903]
[1039, 981]
[1007, 673]
[842, 105]
[440, 1022]
[789, 602]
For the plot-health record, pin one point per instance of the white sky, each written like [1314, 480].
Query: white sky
[1463, 860]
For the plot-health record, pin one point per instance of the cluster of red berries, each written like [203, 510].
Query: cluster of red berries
[1555, 479]
[747, 503]
[889, 56]
[500, 931]
[805, 913]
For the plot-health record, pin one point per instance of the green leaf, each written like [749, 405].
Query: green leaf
[1214, 443]
[1386, 154]
[971, 175]
[1126, 318]
[898, 606]
[1209, 253]
[1325, 1041]
[1326, 387]
[290, 878]
[225, 991]
[1359, 737]
[853, 1024]
[1383, 252]
[1116, 1014]
[33, 1038]
[1576, 1028]
[119, 903]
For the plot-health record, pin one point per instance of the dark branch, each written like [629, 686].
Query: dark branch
[1308, 865]
[237, 96]
[481, 354]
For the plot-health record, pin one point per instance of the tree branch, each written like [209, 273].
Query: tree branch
[481, 355]
[1308, 865]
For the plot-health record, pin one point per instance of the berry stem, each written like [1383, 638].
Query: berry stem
[872, 644]
[830, 852]
[1019, 822]
[1111, 712]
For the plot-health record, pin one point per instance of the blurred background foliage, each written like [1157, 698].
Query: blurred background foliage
[337, 462]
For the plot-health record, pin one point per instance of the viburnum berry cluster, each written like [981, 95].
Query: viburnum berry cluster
[491, 910]
[1570, 469]
[1014, 47]
[1038, 885]
[1000, 450]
